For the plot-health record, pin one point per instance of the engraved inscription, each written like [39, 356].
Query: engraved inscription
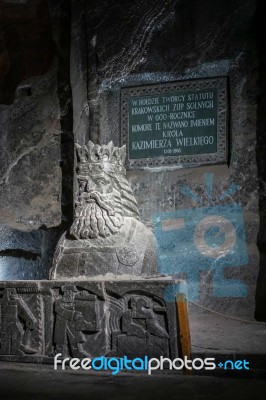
[175, 123]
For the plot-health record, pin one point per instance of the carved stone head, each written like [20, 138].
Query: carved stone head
[69, 293]
[9, 294]
[104, 196]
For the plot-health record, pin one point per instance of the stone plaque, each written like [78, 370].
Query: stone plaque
[178, 123]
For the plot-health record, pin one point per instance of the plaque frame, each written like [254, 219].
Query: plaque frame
[180, 161]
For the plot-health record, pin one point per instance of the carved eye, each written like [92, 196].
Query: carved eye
[101, 181]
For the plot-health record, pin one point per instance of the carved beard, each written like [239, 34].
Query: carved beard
[98, 217]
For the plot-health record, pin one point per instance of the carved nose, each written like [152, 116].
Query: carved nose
[100, 189]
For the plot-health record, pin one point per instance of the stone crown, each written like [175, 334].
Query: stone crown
[106, 158]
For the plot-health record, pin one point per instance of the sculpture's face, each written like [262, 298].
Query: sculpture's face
[100, 214]
[104, 196]
[101, 183]
[68, 296]
[12, 293]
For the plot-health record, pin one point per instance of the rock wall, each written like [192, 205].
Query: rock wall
[36, 133]
[130, 45]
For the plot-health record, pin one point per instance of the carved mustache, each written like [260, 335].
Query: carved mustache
[103, 204]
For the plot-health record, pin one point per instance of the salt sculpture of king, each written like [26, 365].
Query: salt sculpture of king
[106, 236]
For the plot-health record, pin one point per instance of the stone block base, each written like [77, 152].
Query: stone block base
[90, 318]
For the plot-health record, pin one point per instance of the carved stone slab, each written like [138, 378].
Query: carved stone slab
[87, 319]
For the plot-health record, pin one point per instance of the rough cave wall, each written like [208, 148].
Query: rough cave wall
[130, 44]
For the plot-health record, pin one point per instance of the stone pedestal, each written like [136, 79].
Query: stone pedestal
[88, 318]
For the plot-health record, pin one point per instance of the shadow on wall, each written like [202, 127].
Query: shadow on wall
[26, 44]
